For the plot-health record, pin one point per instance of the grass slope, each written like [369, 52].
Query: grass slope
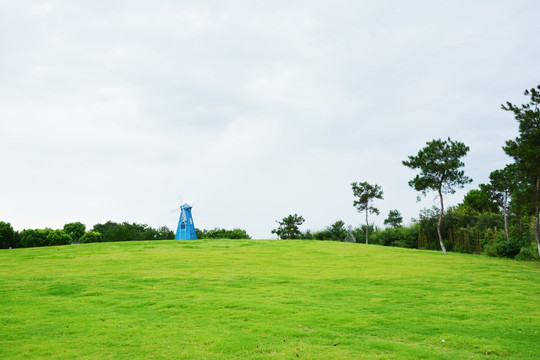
[264, 300]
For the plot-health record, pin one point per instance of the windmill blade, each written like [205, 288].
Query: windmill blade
[179, 207]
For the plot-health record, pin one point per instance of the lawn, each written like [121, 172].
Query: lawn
[252, 299]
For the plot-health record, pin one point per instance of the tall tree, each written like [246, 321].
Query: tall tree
[365, 193]
[288, 227]
[502, 182]
[439, 163]
[525, 149]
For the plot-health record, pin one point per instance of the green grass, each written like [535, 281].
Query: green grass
[246, 299]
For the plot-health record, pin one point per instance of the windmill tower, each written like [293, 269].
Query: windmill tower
[186, 228]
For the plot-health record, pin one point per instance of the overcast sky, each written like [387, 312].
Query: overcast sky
[252, 110]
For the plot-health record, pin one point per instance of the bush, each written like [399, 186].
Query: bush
[218, 233]
[492, 250]
[238, 234]
[322, 235]
[34, 237]
[58, 237]
[307, 235]
[75, 230]
[528, 253]
[406, 237]
[499, 246]
[112, 231]
[90, 237]
[164, 233]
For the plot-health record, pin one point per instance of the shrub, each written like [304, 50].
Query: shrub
[75, 230]
[58, 237]
[498, 246]
[322, 235]
[218, 233]
[34, 237]
[528, 253]
[91, 236]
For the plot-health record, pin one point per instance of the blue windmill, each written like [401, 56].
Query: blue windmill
[186, 228]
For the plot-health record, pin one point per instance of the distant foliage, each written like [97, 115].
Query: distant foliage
[91, 237]
[112, 231]
[469, 231]
[480, 200]
[58, 237]
[394, 219]
[34, 237]
[406, 237]
[75, 230]
[335, 232]
[289, 227]
[8, 237]
[217, 233]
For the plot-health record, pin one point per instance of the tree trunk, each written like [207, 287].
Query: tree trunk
[536, 231]
[439, 223]
[506, 215]
[367, 227]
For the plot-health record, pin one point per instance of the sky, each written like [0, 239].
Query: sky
[250, 110]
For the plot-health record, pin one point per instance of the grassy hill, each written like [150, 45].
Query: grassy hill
[246, 299]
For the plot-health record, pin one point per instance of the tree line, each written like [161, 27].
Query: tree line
[500, 218]
[75, 232]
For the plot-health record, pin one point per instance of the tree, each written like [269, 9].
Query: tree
[365, 194]
[163, 232]
[525, 149]
[502, 182]
[125, 231]
[75, 229]
[91, 236]
[337, 231]
[58, 237]
[288, 227]
[439, 164]
[7, 235]
[480, 200]
[237, 233]
[394, 219]
[34, 237]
